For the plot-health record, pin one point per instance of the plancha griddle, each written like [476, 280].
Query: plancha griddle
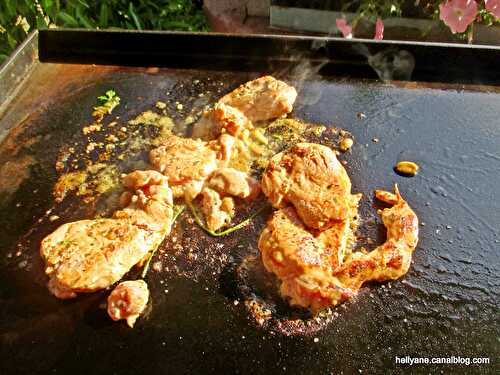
[437, 105]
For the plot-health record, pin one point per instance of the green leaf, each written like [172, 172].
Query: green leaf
[103, 16]
[84, 21]
[12, 41]
[51, 9]
[47, 4]
[11, 6]
[40, 22]
[84, 4]
[134, 16]
[67, 19]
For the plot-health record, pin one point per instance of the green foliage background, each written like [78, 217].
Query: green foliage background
[19, 17]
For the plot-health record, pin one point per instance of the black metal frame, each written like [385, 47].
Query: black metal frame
[435, 62]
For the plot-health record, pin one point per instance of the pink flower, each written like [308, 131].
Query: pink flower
[379, 29]
[458, 14]
[344, 28]
[493, 6]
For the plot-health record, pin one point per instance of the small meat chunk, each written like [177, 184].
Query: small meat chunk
[128, 300]
[89, 255]
[186, 163]
[221, 119]
[233, 182]
[218, 211]
[149, 201]
[263, 98]
[310, 177]
[225, 147]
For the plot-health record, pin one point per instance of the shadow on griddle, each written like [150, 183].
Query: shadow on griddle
[245, 279]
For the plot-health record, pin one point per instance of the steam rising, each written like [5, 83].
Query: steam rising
[389, 64]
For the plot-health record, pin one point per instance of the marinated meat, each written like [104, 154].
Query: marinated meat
[89, 255]
[186, 162]
[148, 202]
[221, 119]
[310, 177]
[263, 98]
[128, 300]
[301, 260]
[392, 259]
[218, 211]
[230, 181]
[289, 250]
[338, 239]
[309, 275]
[225, 146]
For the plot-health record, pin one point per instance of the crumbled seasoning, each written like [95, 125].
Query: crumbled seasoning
[107, 179]
[259, 311]
[112, 138]
[59, 166]
[346, 144]
[68, 182]
[316, 130]
[154, 119]
[90, 147]
[287, 130]
[92, 128]
[189, 120]
[161, 105]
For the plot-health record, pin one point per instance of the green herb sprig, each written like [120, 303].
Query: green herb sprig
[230, 230]
[178, 210]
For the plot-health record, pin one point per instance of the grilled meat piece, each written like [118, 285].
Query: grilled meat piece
[230, 181]
[289, 250]
[225, 147]
[218, 211]
[128, 300]
[307, 269]
[89, 255]
[263, 98]
[392, 259]
[193, 167]
[221, 119]
[300, 259]
[186, 162]
[310, 177]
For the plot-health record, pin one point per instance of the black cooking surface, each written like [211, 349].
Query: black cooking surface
[447, 304]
